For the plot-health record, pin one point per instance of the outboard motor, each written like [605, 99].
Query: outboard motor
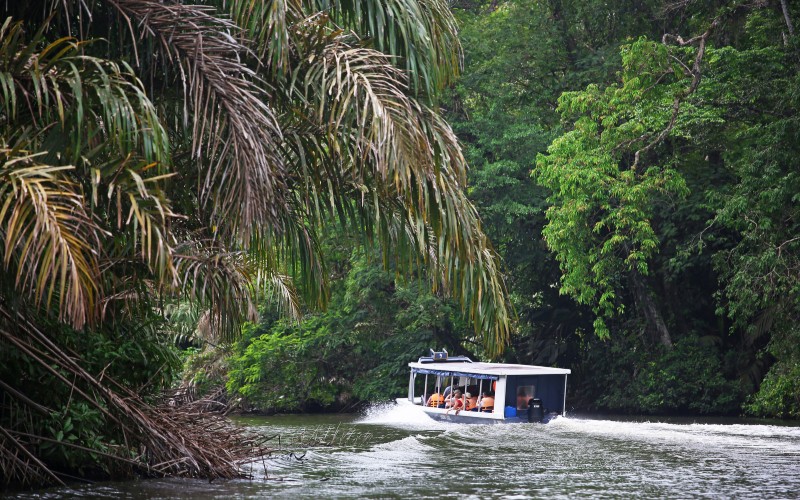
[535, 410]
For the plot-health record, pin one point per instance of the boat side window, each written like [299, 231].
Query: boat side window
[524, 394]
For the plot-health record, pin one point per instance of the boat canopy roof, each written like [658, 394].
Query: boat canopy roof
[484, 370]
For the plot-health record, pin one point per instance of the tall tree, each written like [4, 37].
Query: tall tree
[689, 154]
[197, 151]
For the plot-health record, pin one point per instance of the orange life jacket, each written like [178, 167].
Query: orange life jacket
[435, 400]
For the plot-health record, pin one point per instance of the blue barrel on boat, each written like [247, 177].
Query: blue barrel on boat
[510, 412]
[535, 410]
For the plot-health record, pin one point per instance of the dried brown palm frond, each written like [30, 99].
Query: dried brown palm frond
[178, 441]
[219, 280]
[235, 134]
[20, 465]
[226, 285]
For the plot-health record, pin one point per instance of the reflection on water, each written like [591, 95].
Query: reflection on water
[395, 451]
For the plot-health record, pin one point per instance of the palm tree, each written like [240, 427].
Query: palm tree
[155, 150]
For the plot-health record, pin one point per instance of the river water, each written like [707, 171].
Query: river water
[397, 452]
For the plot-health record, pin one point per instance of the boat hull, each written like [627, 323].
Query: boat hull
[461, 418]
[470, 417]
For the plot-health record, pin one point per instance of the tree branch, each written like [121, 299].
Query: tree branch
[676, 104]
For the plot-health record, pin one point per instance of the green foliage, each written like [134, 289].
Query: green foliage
[355, 351]
[686, 379]
[515, 68]
[283, 370]
[762, 205]
[146, 361]
[76, 424]
[693, 210]
[205, 369]
[779, 394]
[603, 193]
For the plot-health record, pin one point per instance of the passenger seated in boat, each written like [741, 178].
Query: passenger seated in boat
[435, 400]
[465, 401]
[472, 402]
[449, 399]
[487, 402]
[450, 396]
[447, 392]
[522, 399]
[446, 395]
[456, 402]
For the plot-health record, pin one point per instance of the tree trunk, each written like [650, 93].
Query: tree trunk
[786, 17]
[656, 327]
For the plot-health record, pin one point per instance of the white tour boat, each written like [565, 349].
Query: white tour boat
[456, 389]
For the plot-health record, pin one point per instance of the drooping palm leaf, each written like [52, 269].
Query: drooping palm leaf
[70, 99]
[422, 33]
[382, 145]
[268, 24]
[47, 236]
[234, 131]
[135, 202]
[218, 280]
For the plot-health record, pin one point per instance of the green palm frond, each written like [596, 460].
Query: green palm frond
[135, 203]
[183, 319]
[280, 290]
[70, 100]
[397, 160]
[421, 36]
[422, 33]
[268, 24]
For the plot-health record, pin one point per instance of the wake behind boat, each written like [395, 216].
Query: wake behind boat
[456, 389]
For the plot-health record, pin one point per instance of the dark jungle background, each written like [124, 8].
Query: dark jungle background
[710, 325]
[633, 164]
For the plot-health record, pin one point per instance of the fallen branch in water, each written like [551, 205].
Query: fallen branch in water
[184, 440]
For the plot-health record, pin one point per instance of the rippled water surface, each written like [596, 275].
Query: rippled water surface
[397, 452]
